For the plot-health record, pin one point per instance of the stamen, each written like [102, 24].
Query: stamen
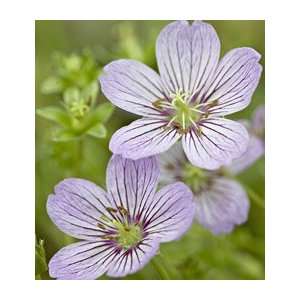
[105, 218]
[111, 210]
[171, 121]
[184, 114]
[122, 210]
[197, 110]
[100, 226]
[183, 121]
[193, 122]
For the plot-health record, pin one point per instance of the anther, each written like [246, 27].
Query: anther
[122, 210]
[111, 210]
[100, 226]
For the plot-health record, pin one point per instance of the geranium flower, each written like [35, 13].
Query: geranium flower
[221, 202]
[256, 147]
[189, 98]
[121, 228]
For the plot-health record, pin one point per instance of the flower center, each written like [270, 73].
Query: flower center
[119, 229]
[194, 177]
[184, 113]
[128, 235]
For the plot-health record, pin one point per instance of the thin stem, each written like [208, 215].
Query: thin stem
[79, 156]
[160, 268]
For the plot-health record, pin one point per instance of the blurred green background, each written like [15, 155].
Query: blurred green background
[199, 254]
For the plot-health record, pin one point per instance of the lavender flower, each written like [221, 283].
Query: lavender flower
[187, 100]
[221, 202]
[256, 147]
[121, 228]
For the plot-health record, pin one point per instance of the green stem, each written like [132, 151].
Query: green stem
[79, 156]
[255, 197]
[160, 268]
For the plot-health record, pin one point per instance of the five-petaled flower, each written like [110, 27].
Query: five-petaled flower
[121, 228]
[221, 202]
[189, 98]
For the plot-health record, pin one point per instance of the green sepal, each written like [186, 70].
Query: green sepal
[55, 114]
[99, 131]
[65, 135]
[99, 115]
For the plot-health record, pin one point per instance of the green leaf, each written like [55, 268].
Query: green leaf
[40, 259]
[98, 131]
[55, 114]
[91, 92]
[65, 135]
[52, 85]
[71, 95]
[99, 115]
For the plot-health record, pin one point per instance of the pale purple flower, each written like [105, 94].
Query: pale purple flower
[256, 147]
[122, 228]
[221, 202]
[189, 98]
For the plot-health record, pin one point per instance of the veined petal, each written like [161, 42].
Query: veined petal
[82, 260]
[171, 163]
[170, 213]
[218, 143]
[234, 82]
[131, 183]
[143, 138]
[131, 260]
[76, 208]
[254, 151]
[258, 120]
[132, 86]
[222, 205]
[187, 55]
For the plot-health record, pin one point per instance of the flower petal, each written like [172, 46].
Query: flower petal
[171, 163]
[76, 208]
[143, 138]
[258, 120]
[187, 55]
[218, 143]
[82, 260]
[170, 213]
[222, 206]
[132, 86]
[131, 183]
[131, 260]
[254, 151]
[234, 82]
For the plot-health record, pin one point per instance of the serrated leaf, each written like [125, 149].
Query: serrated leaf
[55, 114]
[98, 131]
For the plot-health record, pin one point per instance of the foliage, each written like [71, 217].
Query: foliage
[41, 266]
[75, 80]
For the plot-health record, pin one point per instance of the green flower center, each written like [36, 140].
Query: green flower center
[128, 235]
[184, 113]
[194, 177]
